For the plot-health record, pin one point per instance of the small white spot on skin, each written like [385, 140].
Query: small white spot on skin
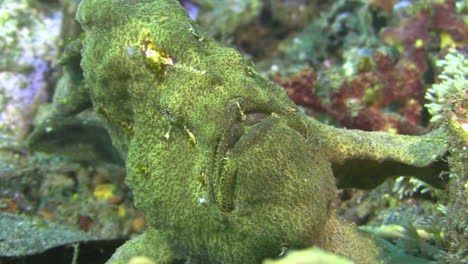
[149, 53]
[130, 51]
[202, 200]
[465, 127]
[169, 61]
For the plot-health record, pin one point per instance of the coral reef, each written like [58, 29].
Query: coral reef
[62, 192]
[374, 89]
[362, 101]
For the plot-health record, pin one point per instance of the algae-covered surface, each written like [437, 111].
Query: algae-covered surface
[398, 67]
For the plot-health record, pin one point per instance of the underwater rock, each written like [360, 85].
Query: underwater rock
[22, 235]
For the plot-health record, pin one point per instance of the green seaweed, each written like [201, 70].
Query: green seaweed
[450, 91]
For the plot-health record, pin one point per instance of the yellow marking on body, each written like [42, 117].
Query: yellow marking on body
[168, 133]
[192, 138]
[243, 116]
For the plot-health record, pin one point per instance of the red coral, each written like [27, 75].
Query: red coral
[445, 18]
[362, 101]
[300, 88]
[369, 119]
[413, 36]
[390, 96]
[85, 222]
[355, 89]
[401, 81]
[349, 101]
[412, 112]
[7, 205]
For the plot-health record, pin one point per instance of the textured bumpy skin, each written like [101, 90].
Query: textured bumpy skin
[222, 164]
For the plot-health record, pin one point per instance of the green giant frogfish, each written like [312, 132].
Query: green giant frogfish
[223, 164]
